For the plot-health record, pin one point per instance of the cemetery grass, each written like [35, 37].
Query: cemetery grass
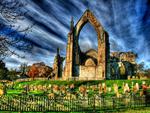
[18, 89]
[109, 83]
[18, 86]
[144, 110]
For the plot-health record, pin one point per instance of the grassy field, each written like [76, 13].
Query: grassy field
[109, 83]
[145, 110]
[17, 89]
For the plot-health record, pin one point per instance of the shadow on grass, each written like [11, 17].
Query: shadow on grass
[128, 110]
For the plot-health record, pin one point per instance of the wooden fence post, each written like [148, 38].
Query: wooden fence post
[94, 110]
[113, 103]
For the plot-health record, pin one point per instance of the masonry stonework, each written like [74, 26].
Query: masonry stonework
[79, 64]
[93, 64]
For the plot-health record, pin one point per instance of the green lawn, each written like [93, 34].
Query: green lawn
[15, 92]
[19, 86]
[145, 110]
[18, 89]
[78, 83]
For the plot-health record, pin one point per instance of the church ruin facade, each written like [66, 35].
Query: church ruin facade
[93, 64]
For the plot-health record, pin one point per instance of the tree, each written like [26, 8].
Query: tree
[11, 34]
[33, 72]
[39, 70]
[12, 74]
[140, 67]
[23, 68]
[3, 70]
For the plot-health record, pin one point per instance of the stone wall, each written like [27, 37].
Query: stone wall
[124, 56]
[87, 72]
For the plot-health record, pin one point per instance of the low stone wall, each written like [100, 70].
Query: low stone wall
[30, 79]
[4, 81]
[87, 72]
[84, 78]
[136, 78]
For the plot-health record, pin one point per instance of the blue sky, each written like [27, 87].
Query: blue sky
[126, 21]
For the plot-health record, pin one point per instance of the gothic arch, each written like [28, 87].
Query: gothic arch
[88, 16]
[73, 67]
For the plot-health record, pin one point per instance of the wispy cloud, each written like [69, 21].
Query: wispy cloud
[127, 22]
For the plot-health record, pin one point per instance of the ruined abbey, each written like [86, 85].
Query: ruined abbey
[93, 64]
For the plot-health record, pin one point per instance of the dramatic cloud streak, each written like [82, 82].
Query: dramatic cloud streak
[127, 22]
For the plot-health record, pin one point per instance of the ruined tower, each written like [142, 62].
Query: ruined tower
[58, 65]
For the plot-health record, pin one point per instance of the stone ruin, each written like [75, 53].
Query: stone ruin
[93, 64]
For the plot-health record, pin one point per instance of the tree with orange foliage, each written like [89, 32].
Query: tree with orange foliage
[33, 72]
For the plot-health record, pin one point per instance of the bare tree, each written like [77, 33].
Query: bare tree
[12, 35]
[23, 68]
